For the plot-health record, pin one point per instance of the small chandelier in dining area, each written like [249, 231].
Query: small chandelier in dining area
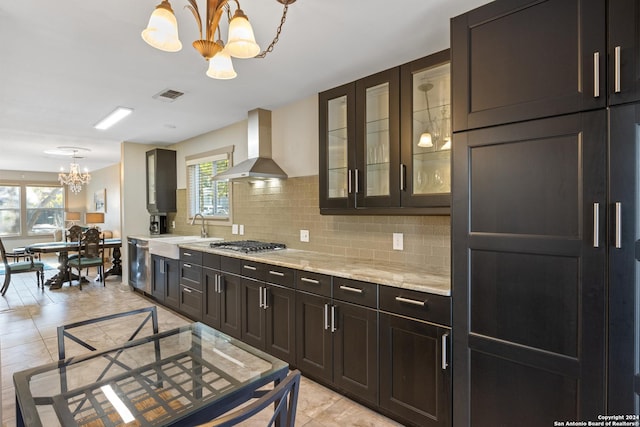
[74, 179]
[162, 33]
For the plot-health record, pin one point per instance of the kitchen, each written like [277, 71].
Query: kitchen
[426, 238]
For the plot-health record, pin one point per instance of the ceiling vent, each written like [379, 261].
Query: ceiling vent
[168, 95]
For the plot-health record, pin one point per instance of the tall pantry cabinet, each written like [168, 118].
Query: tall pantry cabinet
[544, 212]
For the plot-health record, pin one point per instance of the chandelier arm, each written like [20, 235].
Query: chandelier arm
[214, 13]
[278, 31]
[196, 14]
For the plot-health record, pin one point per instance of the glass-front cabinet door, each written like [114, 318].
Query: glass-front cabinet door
[426, 131]
[337, 147]
[377, 136]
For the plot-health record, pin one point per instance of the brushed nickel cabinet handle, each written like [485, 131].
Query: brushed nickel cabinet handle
[261, 304]
[187, 265]
[306, 279]
[326, 316]
[596, 74]
[265, 305]
[444, 351]
[350, 289]
[596, 225]
[357, 176]
[618, 238]
[411, 301]
[402, 173]
[220, 283]
[249, 267]
[276, 273]
[349, 181]
[333, 318]
[186, 253]
[617, 69]
[187, 290]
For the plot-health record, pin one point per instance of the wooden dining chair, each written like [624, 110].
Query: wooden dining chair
[20, 267]
[284, 398]
[90, 254]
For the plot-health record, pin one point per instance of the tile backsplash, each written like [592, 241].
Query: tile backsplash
[278, 211]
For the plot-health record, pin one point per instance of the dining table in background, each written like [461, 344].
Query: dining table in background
[63, 249]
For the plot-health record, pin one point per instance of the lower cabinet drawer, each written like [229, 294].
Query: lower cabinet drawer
[191, 302]
[419, 305]
[191, 275]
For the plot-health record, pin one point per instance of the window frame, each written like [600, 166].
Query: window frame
[24, 231]
[205, 157]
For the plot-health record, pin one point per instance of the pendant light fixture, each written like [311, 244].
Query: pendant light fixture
[162, 33]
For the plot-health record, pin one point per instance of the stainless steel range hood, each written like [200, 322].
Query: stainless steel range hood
[259, 165]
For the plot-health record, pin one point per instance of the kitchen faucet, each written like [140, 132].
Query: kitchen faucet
[203, 232]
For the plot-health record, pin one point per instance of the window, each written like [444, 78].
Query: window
[38, 209]
[211, 198]
[45, 209]
[10, 210]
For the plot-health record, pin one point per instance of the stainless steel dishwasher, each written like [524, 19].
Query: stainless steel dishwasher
[139, 264]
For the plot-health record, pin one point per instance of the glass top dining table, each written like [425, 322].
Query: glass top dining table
[184, 376]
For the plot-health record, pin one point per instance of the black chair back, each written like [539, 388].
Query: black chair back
[73, 234]
[91, 244]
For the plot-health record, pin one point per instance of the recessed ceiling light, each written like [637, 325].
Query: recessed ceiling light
[66, 150]
[114, 117]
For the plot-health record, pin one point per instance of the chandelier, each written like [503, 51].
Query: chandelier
[437, 135]
[162, 33]
[74, 179]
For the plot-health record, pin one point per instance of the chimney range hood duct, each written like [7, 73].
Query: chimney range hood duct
[259, 165]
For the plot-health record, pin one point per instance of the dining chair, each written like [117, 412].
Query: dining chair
[284, 397]
[20, 267]
[90, 254]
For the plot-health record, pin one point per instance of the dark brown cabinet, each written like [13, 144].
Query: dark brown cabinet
[337, 339]
[415, 371]
[161, 181]
[222, 286]
[165, 280]
[529, 260]
[522, 59]
[624, 51]
[624, 254]
[191, 284]
[374, 153]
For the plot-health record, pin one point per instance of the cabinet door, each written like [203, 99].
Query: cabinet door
[414, 383]
[377, 176]
[426, 132]
[158, 278]
[529, 255]
[624, 254]
[161, 181]
[253, 315]
[355, 344]
[624, 51]
[230, 305]
[280, 323]
[524, 59]
[337, 111]
[313, 338]
[172, 284]
[211, 314]
[191, 302]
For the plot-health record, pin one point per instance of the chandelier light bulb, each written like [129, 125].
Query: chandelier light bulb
[162, 30]
[426, 140]
[74, 179]
[241, 42]
[221, 66]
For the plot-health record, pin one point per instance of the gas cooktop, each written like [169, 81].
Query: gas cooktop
[248, 246]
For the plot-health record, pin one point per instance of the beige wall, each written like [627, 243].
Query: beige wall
[278, 212]
[105, 179]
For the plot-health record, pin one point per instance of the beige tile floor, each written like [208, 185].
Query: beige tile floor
[28, 321]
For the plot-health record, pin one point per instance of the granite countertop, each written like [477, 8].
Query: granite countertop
[432, 280]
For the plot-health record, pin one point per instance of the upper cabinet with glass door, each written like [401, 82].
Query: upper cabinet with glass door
[385, 142]
[426, 132]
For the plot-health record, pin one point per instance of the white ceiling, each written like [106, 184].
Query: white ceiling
[66, 64]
